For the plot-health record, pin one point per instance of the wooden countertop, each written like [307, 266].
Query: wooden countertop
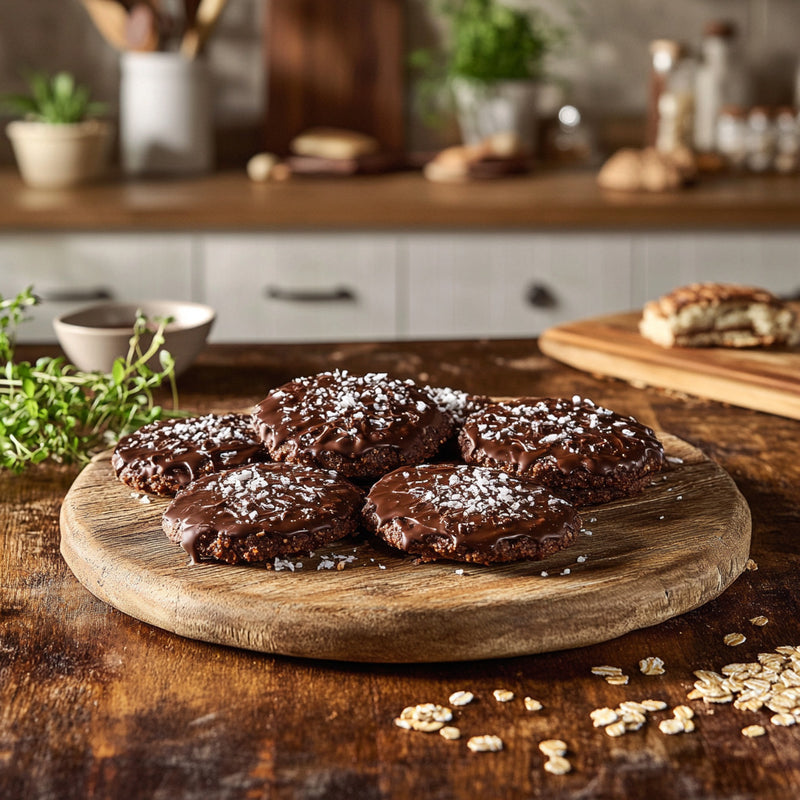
[96, 704]
[403, 200]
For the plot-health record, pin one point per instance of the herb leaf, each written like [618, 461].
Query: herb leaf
[51, 410]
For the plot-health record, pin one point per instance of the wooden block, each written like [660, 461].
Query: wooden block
[335, 63]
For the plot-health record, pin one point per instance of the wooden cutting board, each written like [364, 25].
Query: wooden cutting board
[674, 547]
[766, 379]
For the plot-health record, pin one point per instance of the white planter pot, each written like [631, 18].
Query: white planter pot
[165, 114]
[500, 107]
[57, 156]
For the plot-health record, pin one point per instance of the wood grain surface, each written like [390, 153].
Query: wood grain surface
[95, 704]
[666, 551]
[765, 379]
[335, 63]
[545, 200]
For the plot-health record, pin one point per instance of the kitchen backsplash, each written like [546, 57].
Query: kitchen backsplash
[602, 69]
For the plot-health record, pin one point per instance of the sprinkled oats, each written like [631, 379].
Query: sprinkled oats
[503, 695]
[553, 747]
[615, 728]
[557, 765]
[760, 621]
[425, 717]
[532, 705]
[652, 665]
[605, 670]
[784, 719]
[671, 726]
[633, 720]
[682, 712]
[603, 716]
[460, 698]
[486, 743]
[751, 565]
[688, 725]
[654, 705]
[734, 639]
[617, 680]
[450, 732]
[751, 731]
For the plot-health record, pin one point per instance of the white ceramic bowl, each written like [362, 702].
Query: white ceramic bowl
[94, 337]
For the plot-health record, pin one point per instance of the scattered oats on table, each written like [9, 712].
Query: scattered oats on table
[553, 747]
[425, 717]
[615, 728]
[751, 565]
[654, 705]
[603, 716]
[751, 731]
[605, 670]
[503, 695]
[734, 639]
[671, 726]
[486, 743]
[651, 665]
[760, 620]
[461, 698]
[617, 680]
[557, 765]
[532, 705]
[450, 732]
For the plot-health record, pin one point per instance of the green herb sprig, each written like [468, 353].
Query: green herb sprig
[51, 410]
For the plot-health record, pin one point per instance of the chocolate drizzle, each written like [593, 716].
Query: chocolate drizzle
[574, 434]
[477, 509]
[281, 501]
[347, 414]
[184, 449]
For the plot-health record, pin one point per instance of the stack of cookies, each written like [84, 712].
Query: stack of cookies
[432, 472]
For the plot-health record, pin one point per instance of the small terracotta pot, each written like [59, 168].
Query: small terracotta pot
[53, 156]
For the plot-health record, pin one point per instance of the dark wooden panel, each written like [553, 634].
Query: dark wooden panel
[335, 63]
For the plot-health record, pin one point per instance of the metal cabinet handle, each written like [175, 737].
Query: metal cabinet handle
[76, 295]
[540, 296]
[337, 294]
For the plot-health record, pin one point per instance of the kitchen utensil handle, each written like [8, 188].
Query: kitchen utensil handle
[77, 295]
[337, 294]
[539, 296]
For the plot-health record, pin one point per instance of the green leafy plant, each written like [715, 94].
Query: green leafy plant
[51, 410]
[487, 41]
[57, 100]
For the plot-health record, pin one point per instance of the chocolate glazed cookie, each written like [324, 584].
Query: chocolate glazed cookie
[583, 452]
[361, 426]
[260, 512]
[464, 513]
[166, 455]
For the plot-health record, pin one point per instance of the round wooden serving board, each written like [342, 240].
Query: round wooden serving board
[679, 544]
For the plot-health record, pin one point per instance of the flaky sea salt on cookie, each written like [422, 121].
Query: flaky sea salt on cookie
[472, 514]
[718, 314]
[362, 426]
[166, 455]
[260, 512]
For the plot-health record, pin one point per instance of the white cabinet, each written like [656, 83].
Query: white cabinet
[300, 287]
[72, 270]
[665, 260]
[511, 284]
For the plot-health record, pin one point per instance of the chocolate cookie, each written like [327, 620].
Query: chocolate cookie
[583, 452]
[165, 456]
[361, 426]
[262, 511]
[466, 513]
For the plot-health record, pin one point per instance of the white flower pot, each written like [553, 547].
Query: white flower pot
[53, 156]
[504, 106]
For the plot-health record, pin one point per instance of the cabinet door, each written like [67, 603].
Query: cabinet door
[291, 287]
[74, 270]
[663, 261]
[504, 284]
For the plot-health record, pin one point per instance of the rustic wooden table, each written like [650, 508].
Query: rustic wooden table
[96, 704]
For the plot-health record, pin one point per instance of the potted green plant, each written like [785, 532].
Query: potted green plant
[58, 142]
[493, 62]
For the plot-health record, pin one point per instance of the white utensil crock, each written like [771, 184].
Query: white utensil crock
[165, 114]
